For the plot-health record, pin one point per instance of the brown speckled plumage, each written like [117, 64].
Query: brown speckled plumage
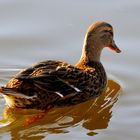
[56, 83]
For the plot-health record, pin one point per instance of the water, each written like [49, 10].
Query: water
[31, 31]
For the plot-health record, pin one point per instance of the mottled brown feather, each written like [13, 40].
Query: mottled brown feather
[57, 83]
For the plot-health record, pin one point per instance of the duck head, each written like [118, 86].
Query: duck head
[99, 35]
[102, 34]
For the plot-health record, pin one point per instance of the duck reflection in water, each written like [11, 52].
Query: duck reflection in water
[91, 115]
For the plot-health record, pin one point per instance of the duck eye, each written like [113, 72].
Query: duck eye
[106, 34]
[108, 31]
[111, 33]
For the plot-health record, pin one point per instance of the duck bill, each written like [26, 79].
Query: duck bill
[114, 47]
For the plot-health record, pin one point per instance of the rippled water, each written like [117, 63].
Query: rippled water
[31, 31]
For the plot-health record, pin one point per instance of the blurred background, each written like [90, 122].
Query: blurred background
[33, 30]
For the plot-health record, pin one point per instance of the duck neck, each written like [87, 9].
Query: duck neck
[90, 53]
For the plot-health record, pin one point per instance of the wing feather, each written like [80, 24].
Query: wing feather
[53, 77]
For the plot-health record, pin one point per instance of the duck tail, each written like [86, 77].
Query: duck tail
[1, 89]
[5, 90]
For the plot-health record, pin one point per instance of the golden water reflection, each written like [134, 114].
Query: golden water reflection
[91, 115]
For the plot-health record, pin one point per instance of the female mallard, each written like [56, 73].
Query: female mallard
[56, 83]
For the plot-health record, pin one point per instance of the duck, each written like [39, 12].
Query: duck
[54, 83]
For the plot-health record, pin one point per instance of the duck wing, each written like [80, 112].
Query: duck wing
[53, 77]
[38, 78]
[57, 72]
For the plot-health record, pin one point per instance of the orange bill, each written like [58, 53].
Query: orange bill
[114, 47]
